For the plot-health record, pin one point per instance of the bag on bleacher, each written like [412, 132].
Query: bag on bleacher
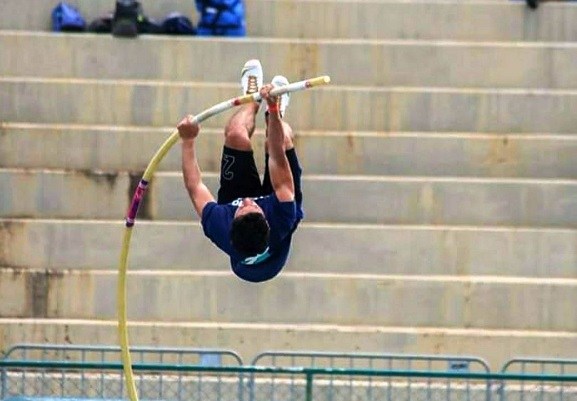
[144, 24]
[129, 20]
[221, 18]
[178, 24]
[102, 24]
[125, 20]
[66, 18]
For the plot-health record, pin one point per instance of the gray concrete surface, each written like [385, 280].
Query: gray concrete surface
[129, 148]
[163, 103]
[347, 299]
[393, 200]
[348, 62]
[369, 199]
[495, 346]
[371, 249]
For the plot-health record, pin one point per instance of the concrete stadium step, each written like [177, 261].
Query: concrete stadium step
[342, 299]
[333, 199]
[342, 108]
[129, 148]
[400, 19]
[347, 62]
[368, 19]
[363, 249]
[495, 346]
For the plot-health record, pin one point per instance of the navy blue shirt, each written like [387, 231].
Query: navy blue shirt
[282, 217]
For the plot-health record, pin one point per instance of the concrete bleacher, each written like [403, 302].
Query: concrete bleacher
[476, 20]
[439, 180]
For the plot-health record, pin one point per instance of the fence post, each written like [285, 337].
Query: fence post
[3, 385]
[309, 387]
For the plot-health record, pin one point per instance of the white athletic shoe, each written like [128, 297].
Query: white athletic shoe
[277, 81]
[251, 77]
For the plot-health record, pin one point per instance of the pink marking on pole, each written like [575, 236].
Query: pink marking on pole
[135, 204]
[308, 84]
[236, 102]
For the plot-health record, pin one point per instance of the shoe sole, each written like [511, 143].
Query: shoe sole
[252, 80]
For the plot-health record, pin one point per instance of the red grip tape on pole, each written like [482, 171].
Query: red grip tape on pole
[135, 204]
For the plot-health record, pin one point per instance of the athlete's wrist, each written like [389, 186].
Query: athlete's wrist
[273, 108]
[188, 141]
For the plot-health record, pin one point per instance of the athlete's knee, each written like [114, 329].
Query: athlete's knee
[237, 138]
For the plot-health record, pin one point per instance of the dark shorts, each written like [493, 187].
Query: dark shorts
[239, 176]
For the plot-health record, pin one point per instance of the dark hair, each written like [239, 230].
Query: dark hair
[249, 234]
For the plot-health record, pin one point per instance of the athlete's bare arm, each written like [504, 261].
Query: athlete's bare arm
[280, 172]
[197, 190]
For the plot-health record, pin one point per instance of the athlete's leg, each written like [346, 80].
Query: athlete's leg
[238, 173]
[240, 127]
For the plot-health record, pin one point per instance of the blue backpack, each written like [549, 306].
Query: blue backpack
[66, 18]
[221, 18]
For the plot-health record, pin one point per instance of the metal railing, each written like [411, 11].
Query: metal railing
[104, 384]
[218, 383]
[139, 354]
[517, 391]
[541, 366]
[376, 361]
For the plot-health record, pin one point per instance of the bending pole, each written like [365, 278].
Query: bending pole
[139, 195]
